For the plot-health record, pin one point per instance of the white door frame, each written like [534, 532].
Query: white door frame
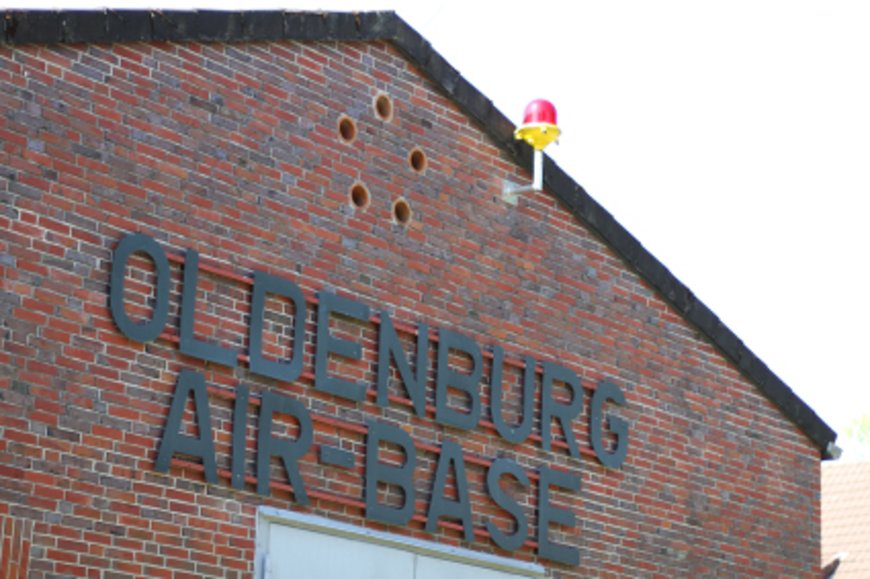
[268, 516]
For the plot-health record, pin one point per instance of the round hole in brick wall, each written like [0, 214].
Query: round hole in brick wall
[359, 196]
[384, 107]
[402, 212]
[417, 159]
[346, 129]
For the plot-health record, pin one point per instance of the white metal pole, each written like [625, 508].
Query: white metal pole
[538, 171]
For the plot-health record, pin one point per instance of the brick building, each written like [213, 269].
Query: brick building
[265, 312]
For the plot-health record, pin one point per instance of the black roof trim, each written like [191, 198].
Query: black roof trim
[109, 26]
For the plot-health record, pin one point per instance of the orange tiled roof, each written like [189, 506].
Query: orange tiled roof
[846, 517]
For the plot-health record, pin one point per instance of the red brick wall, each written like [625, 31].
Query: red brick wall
[234, 151]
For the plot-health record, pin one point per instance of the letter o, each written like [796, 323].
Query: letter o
[150, 329]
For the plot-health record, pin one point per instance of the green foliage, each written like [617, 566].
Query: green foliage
[859, 430]
[858, 433]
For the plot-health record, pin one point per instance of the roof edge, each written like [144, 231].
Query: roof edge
[21, 27]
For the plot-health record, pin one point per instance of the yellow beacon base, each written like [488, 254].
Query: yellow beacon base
[538, 135]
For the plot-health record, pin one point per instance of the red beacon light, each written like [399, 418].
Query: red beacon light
[539, 127]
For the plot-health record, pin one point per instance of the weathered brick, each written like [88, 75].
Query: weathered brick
[234, 151]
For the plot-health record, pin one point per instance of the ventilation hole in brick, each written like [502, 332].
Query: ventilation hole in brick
[402, 212]
[359, 196]
[347, 129]
[417, 159]
[384, 107]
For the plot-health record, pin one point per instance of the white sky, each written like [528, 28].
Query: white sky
[731, 138]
